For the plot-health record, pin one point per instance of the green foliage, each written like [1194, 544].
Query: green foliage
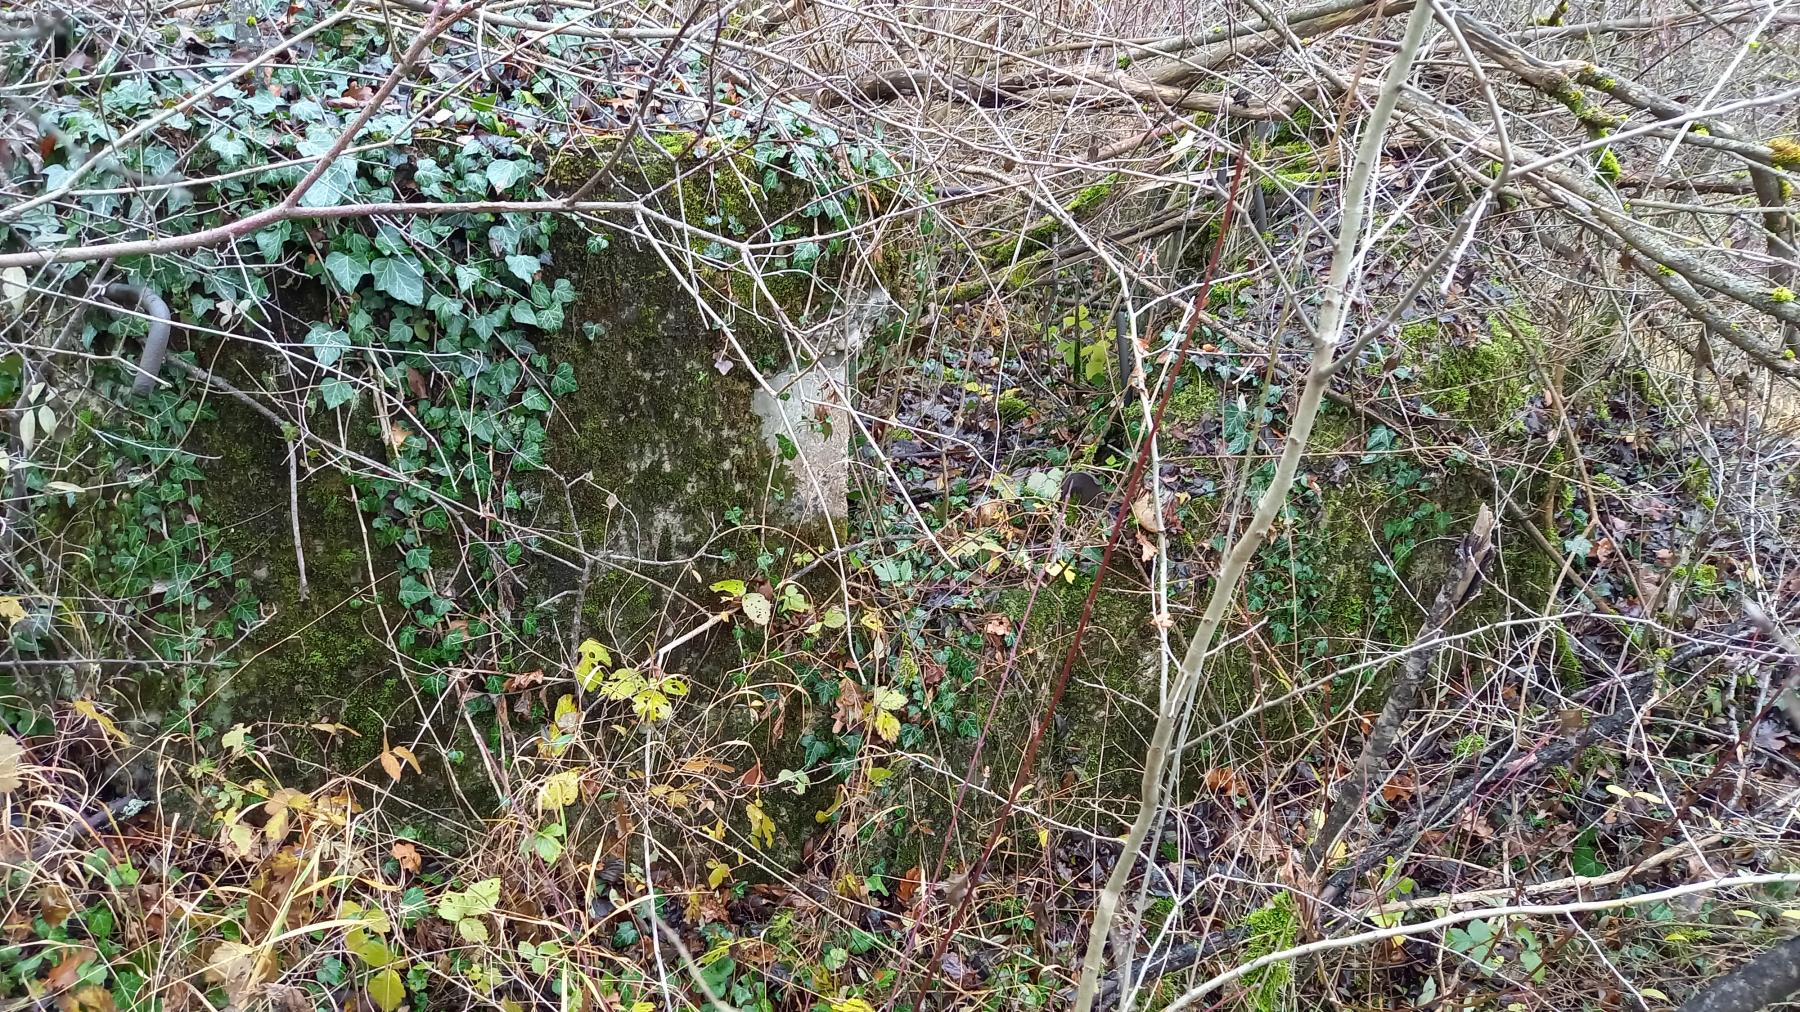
[1273, 927]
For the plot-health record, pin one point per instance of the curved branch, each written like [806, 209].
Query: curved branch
[156, 343]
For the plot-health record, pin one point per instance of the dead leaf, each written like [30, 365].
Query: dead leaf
[753, 777]
[909, 883]
[281, 807]
[11, 764]
[62, 976]
[1144, 511]
[1226, 781]
[395, 758]
[415, 381]
[241, 969]
[1397, 789]
[88, 709]
[54, 904]
[407, 855]
[92, 998]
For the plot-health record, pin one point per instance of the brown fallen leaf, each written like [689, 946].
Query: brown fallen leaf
[92, 998]
[395, 758]
[407, 855]
[62, 976]
[1144, 511]
[241, 969]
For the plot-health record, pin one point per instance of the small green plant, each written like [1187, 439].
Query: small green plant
[1273, 927]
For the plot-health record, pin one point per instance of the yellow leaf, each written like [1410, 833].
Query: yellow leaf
[239, 840]
[92, 712]
[374, 952]
[651, 704]
[281, 808]
[560, 791]
[473, 930]
[719, 874]
[762, 828]
[592, 658]
[11, 762]
[386, 990]
[11, 610]
[850, 1005]
[887, 726]
[1043, 838]
[334, 729]
[888, 699]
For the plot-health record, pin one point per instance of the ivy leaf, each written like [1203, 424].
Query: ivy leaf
[502, 173]
[412, 590]
[523, 266]
[270, 240]
[523, 313]
[228, 145]
[328, 344]
[536, 400]
[563, 382]
[336, 392]
[336, 187]
[401, 278]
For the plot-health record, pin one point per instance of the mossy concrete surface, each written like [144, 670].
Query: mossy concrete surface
[659, 453]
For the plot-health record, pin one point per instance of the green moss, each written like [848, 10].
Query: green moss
[1482, 382]
[1333, 428]
[1273, 928]
[1785, 152]
[1193, 401]
[1607, 164]
[1037, 236]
